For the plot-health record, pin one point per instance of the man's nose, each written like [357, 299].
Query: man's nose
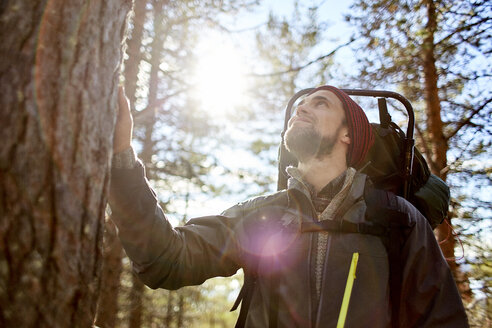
[302, 109]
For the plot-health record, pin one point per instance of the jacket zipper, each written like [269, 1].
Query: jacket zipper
[348, 291]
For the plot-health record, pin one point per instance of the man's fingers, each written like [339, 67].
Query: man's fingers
[122, 100]
[124, 123]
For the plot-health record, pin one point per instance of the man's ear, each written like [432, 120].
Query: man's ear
[345, 136]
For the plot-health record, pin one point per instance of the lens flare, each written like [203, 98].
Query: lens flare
[276, 246]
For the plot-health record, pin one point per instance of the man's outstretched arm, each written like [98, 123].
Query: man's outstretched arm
[163, 256]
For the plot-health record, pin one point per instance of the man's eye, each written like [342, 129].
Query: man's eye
[320, 103]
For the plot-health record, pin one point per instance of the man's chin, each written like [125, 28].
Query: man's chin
[302, 141]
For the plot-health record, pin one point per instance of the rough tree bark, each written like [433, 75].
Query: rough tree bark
[59, 72]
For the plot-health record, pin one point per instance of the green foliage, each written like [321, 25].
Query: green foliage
[259, 145]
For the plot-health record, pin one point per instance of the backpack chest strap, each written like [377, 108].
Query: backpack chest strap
[343, 226]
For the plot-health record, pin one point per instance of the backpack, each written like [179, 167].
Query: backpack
[395, 168]
[426, 191]
[393, 164]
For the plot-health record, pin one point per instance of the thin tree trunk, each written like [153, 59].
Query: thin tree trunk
[58, 76]
[107, 309]
[169, 309]
[181, 311]
[148, 143]
[155, 60]
[136, 302]
[133, 51]
[439, 144]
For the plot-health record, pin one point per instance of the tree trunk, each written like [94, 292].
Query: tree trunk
[169, 309]
[439, 144]
[133, 51]
[181, 310]
[58, 76]
[151, 111]
[107, 309]
[438, 141]
[136, 302]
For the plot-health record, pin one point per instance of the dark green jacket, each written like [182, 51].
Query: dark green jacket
[264, 232]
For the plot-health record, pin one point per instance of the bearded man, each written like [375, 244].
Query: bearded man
[303, 277]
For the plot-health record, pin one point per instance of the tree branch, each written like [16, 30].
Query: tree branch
[462, 29]
[467, 120]
[473, 77]
[301, 67]
[427, 150]
[142, 113]
[241, 30]
[186, 174]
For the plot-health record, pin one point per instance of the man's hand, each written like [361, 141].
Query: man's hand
[122, 138]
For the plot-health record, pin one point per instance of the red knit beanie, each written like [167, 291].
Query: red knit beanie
[359, 128]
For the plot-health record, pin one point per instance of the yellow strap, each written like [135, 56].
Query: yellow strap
[348, 291]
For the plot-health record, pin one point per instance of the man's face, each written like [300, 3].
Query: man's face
[317, 126]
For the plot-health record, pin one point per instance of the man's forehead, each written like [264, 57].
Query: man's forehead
[326, 94]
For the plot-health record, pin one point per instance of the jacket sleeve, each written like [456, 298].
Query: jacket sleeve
[429, 296]
[164, 256]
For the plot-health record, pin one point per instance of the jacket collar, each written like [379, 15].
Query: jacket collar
[300, 196]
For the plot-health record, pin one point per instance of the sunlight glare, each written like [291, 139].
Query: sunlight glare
[220, 78]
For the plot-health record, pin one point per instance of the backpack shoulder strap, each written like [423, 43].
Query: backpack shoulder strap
[382, 207]
[244, 298]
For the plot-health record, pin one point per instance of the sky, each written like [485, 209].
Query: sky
[218, 72]
[330, 11]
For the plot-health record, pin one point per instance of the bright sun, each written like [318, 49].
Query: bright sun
[220, 78]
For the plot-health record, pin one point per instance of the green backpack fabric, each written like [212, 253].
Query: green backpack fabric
[428, 193]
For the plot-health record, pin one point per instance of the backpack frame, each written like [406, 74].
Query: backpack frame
[285, 158]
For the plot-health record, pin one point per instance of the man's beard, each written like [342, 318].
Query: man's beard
[305, 143]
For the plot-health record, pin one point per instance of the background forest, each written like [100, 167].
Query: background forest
[208, 82]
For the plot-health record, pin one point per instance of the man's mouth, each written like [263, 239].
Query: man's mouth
[301, 119]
